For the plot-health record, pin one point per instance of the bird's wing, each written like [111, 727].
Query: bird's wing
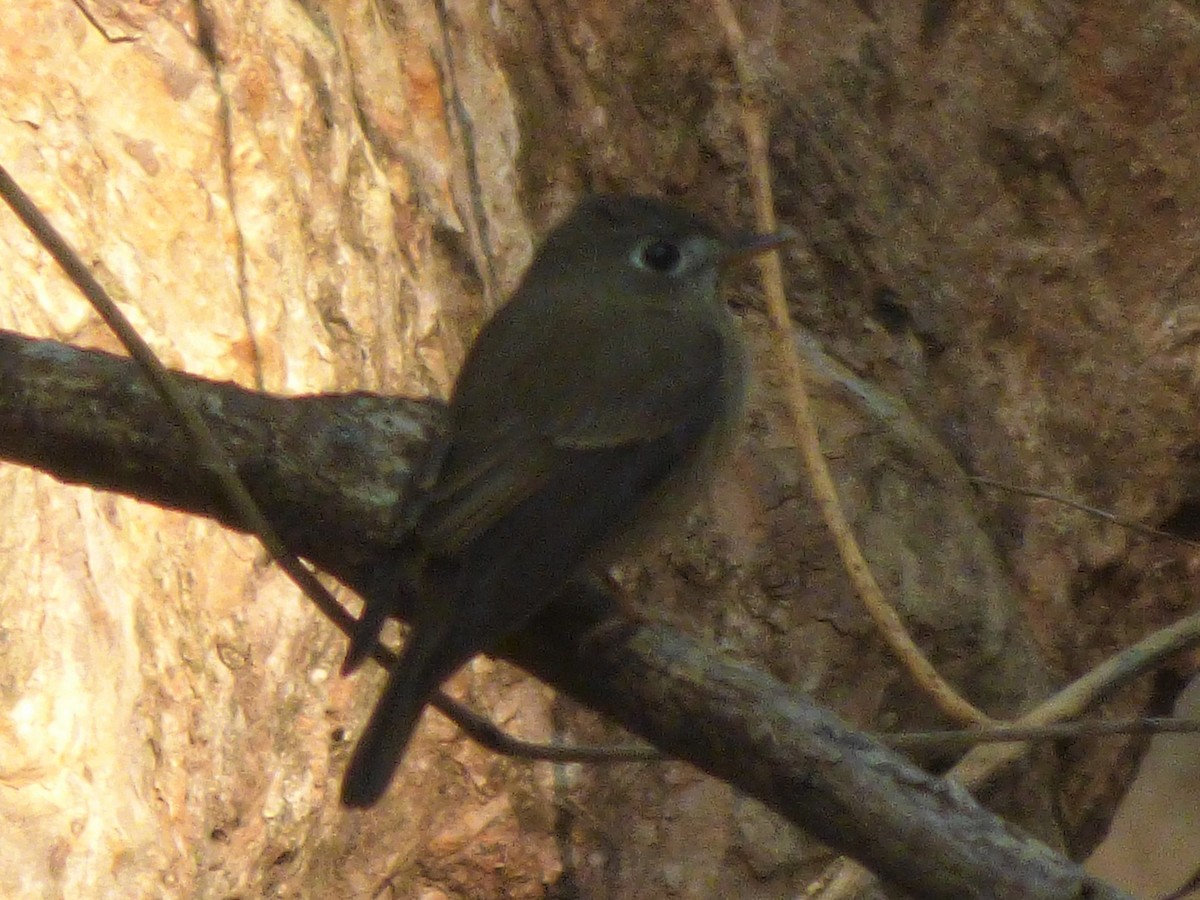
[558, 412]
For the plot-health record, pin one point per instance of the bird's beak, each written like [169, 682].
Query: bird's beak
[744, 246]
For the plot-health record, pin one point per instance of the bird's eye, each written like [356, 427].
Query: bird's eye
[658, 255]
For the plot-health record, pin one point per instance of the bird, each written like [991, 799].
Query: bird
[591, 407]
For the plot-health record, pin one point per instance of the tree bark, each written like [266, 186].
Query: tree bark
[88, 417]
[995, 277]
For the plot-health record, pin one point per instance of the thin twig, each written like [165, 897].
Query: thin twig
[1082, 507]
[212, 457]
[1080, 695]
[1087, 690]
[229, 485]
[885, 617]
[1003, 734]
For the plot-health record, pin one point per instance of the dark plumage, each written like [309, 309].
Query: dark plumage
[598, 394]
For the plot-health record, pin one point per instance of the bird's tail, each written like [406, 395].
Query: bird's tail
[390, 585]
[414, 677]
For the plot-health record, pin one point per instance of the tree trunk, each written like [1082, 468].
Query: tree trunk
[996, 206]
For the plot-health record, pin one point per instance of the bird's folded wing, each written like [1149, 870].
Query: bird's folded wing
[628, 426]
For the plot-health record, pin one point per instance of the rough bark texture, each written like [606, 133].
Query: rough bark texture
[999, 207]
[85, 409]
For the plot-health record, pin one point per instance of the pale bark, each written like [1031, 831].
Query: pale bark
[998, 204]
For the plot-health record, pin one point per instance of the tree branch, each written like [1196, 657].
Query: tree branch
[334, 472]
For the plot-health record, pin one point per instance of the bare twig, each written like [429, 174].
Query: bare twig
[1102, 681]
[212, 457]
[985, 761]
[229, 485]
[1003, 734]
[889, 623]
[1082, 507]
[728, 719]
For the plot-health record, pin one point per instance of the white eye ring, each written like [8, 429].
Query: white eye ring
[658, 255]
